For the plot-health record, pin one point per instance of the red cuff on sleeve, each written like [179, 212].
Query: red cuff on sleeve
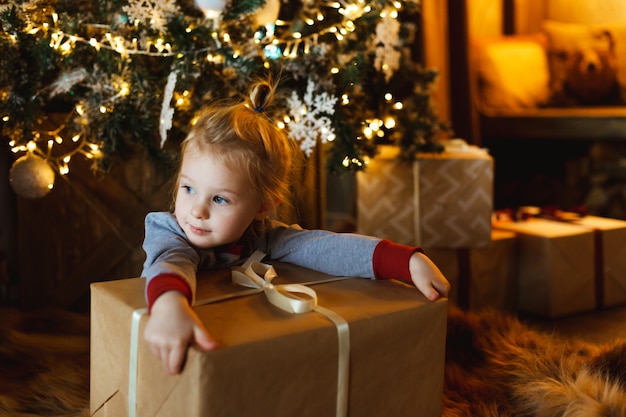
[391, 260]
[166, 282]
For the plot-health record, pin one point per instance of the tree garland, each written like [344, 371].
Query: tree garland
[131, 74]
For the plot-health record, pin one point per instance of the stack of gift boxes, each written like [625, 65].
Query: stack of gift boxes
[552, 267]
[443, 203]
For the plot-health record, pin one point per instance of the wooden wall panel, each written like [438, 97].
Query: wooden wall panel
[89, 228]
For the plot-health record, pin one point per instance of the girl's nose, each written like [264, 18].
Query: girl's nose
[199, 211]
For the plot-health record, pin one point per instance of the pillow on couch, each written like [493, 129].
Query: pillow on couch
[512, 72]
[607, 41]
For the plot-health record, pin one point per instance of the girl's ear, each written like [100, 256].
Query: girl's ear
[266, 208]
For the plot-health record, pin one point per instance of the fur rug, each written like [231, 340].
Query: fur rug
[44, 364]
[496, 366]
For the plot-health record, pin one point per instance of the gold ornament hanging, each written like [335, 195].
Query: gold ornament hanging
[31, 176]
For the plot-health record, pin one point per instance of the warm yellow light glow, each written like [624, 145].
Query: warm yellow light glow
[376, 124]
[31, 146]
[125, 89]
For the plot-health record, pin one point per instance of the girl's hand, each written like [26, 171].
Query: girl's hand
[171, 328]
[427, 277]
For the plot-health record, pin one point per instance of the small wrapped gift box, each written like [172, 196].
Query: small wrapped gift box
[609, 258]
[440, 201]
[555, 266]
[271, 362]
[481, 278]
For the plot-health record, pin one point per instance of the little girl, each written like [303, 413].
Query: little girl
[234, 172]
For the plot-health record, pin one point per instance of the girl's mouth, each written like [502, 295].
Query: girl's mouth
[197, 230]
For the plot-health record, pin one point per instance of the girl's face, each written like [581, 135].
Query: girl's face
[215, 202]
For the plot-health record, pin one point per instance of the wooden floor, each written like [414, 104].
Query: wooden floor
[597, 326]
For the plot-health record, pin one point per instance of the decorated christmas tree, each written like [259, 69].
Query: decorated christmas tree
[104, 79]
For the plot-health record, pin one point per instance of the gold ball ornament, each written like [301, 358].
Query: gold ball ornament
[31, 176]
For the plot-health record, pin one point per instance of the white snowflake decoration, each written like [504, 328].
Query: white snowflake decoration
[66, 81]
[152, 13]
[309, 118]
[387, 54]
[167, 112]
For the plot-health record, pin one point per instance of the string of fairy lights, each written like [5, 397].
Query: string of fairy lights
[274, 40]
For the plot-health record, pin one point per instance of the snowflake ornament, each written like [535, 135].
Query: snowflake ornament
[167, 112]
[151, 13]
[387, 55]
[309, 118]
[66, 81]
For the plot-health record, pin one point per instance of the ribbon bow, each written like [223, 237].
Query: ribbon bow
[254, 274]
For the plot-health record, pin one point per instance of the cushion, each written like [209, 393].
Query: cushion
[512, 73]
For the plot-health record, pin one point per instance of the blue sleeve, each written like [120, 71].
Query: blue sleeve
[341, 254]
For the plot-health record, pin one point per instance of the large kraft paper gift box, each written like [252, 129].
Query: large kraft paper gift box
[442, 200]
[555, 266]
[273, 363]
[481, 278]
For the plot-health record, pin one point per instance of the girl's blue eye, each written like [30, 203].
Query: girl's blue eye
[189, 190]
[220, 200]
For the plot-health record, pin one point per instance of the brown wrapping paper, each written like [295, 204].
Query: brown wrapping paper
[273, 363]
[555, 266]
[612, 265]
[481, 278]
[440, 201]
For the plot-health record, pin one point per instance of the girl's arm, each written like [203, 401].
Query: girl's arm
[170, 271]
[355, 255]
[171, 263]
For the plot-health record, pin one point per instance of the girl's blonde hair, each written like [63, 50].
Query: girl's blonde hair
[242, 134]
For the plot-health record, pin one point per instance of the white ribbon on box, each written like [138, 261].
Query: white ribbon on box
[258, 276]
